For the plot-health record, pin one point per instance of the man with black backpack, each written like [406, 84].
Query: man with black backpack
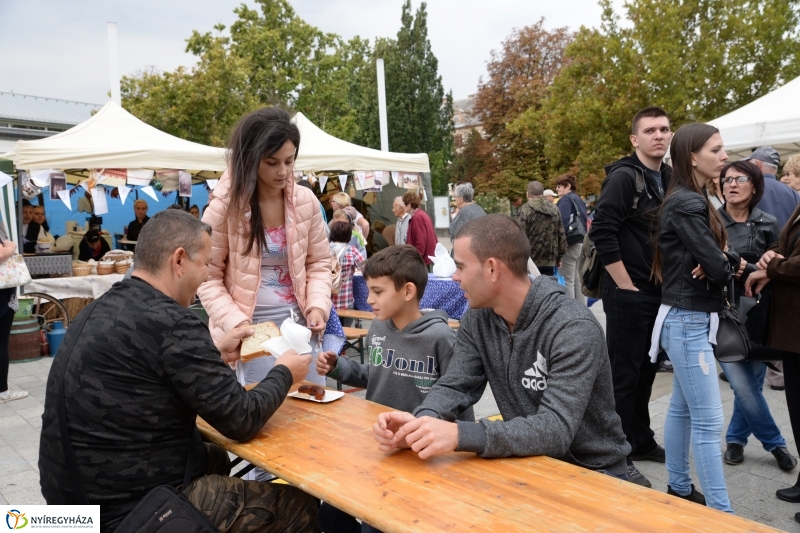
[623, 232]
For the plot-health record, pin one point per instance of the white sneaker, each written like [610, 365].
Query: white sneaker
[11, 395]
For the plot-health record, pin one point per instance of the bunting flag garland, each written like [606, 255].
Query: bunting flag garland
[323, 181]
[64, 195]
[343, 181]
[149, 191]
[123, 193]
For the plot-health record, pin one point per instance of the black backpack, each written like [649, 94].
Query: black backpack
[590, 268]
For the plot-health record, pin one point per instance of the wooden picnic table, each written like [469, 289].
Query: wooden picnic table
[328, 451]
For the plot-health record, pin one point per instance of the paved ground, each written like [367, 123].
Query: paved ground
[751, 486]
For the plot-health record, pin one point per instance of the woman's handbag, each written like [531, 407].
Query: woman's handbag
[13, 272]
[733, 344]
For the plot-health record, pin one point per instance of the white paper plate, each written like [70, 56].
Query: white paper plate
[330, 395]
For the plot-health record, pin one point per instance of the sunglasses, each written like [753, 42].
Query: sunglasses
[739, 179]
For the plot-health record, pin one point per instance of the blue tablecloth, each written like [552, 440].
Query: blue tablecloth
[440, 293]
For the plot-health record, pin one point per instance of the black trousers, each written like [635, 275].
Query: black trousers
[630, 317]
[6, 321]
[791, 375]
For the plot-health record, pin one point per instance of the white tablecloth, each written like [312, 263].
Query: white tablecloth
[92, 286]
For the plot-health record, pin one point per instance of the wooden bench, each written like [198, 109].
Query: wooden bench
[368, 315]
[355, 339]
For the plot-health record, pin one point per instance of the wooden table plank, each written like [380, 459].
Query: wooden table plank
[327, 450]
[355, 313]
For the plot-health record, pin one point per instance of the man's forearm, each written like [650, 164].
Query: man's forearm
[620, 276]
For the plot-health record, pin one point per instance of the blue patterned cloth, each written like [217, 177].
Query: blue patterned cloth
[334, 337]
[440, 293]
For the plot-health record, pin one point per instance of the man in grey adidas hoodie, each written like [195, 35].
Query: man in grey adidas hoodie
[404, 364]
[544, 355]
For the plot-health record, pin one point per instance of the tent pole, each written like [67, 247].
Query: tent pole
[21, 243]
[382, 106]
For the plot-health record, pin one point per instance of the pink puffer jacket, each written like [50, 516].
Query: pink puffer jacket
[229, 294]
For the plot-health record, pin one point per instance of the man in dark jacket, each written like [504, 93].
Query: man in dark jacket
[541, 221]
[134, 372]
[543, 354]
[623, 231]
[779, 200]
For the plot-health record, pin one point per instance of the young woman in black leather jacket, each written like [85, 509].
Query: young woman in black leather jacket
[693, 269]
[751, 232]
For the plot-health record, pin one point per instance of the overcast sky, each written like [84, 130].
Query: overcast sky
[59, 49]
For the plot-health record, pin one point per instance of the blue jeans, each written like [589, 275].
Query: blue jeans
[750, 410]
[695, 410]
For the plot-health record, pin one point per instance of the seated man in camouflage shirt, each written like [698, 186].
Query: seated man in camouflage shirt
[137, 368]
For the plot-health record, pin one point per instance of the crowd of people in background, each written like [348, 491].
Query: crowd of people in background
[671, 239]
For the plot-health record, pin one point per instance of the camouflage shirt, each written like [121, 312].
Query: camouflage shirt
[137, 369]
[541, 221]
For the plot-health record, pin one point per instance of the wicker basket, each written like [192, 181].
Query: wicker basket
[121, 268]
[118, 256]
[106, 268]
[81, 270]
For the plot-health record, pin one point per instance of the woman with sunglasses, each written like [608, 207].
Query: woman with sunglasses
[751, 232]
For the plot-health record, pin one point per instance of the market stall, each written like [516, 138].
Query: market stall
[370, 175]
[772, 120]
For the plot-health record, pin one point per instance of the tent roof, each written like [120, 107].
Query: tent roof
[320, 151]
[772, 120]
[113, 138]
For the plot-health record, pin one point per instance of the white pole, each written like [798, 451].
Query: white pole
[382, 107]
[113, 63]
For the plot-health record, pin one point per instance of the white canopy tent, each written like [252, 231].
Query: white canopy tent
[114, 138]
[772, 120]
[320, 151]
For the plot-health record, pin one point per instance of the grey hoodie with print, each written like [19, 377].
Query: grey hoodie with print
[551, 379]
[403, 365]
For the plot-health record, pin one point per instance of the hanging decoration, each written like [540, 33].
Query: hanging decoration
[151, 192]
[123, 193]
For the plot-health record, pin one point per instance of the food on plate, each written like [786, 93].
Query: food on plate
[313, 390]
[252, 345]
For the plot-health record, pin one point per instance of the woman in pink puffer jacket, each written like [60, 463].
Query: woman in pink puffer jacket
[270, 254]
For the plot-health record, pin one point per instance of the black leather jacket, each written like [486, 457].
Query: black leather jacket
[686, 240]
[751, 238]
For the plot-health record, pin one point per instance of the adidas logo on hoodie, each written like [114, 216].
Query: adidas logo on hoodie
[536, 376]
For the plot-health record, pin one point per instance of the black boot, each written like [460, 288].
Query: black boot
[792, 494]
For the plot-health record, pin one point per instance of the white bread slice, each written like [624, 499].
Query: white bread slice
[251, 346]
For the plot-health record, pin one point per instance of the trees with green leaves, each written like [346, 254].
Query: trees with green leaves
[698, 59]
[272, 57]
[419, 113]
[200, 104]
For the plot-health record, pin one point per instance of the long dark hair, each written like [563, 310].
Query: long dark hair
[257, 135]
[687, 140]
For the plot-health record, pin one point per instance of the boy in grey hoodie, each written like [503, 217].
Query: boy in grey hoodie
[544, 355]
[409, 351]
